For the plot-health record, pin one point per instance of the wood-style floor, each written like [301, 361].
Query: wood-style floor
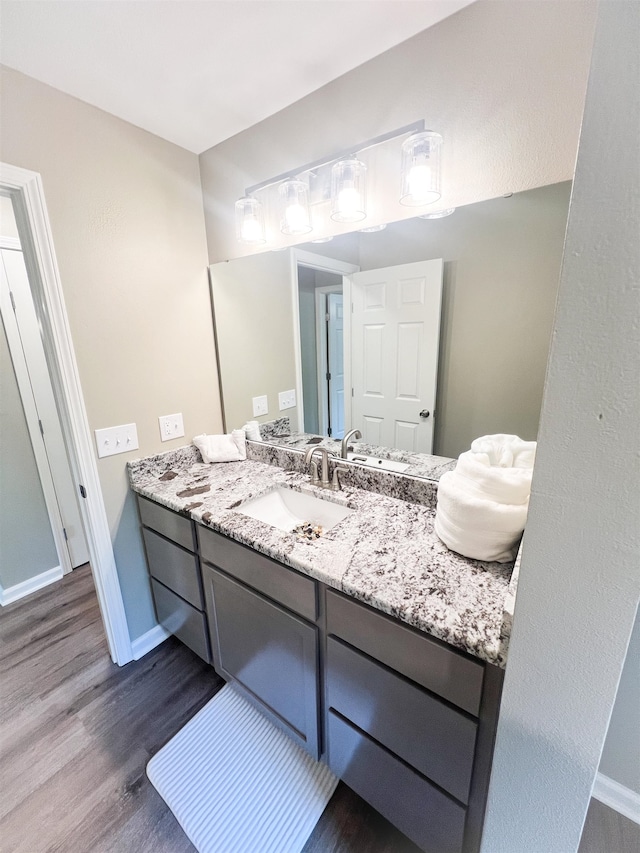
[77, 732]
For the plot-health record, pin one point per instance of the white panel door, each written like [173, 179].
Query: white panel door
[395, 333]
[335, 349]
[23, 330]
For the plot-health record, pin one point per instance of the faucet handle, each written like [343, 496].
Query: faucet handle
[315, 476]
[335, 480]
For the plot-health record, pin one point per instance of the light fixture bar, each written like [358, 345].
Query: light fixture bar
[416, 127]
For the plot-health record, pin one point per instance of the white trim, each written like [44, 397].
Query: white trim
[27, 398]
[19, 590]
[144, 644]
[617, 796]
[316, 262]
[37, 244]
[12, 243]
[322, 356]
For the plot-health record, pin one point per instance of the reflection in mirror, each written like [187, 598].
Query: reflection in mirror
[501, 265]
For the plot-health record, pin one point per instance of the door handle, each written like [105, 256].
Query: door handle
[425, 413]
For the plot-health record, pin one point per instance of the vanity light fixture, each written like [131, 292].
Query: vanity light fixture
[348, 190]
[438, 214]
[337, 184]
[421, 169]
[294, 208]
[249, 221]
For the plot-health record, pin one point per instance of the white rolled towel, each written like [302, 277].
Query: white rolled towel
[483, 503]
[222, 448]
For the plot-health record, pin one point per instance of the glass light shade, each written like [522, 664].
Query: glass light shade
[348, 191]
[421, 169]
[294, 208]
[438, 214]
[249, 221]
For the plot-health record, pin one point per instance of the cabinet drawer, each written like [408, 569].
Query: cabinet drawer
[174, 567]
[452, 675]
[286, 586]
[427, 816]
[433, 737]
[181, 619]
[269, 652]
[169, 523]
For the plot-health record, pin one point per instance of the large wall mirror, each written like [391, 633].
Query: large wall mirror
[424, 335]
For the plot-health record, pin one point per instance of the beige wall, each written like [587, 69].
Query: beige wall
[254, 322]
[27, 547]
[503, 82]
[127, 222]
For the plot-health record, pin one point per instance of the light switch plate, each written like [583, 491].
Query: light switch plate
[287, 399]
[118, 439]
[171, 426]
[260, 406]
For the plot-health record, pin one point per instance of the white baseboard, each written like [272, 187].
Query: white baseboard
[19, 590]
[616, 796]
[148, 641]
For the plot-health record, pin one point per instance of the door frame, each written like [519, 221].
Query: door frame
[27, 399]
[26, 191]
[300, 257]
[322, 354]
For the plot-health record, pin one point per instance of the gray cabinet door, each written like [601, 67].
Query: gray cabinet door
[429, 817]
[434, 738]
[171, 524]
[181, 619]
[176, 568]
[269, 652]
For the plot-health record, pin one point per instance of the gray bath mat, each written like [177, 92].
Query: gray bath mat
[237, 784]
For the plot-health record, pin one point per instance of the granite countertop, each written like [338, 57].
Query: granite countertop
[385, 553]
[417, 464]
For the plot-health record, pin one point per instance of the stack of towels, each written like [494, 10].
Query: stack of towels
[222, 448]
[483, 503]
[227, 448]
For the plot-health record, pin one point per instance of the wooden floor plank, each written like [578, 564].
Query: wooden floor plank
[77, 732]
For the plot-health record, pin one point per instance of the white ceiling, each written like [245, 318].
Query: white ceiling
[197, 72]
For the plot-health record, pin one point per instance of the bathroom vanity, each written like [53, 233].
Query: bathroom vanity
[375, 648]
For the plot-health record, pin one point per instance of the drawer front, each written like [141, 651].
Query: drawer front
[292, 590]
[450, 674]
[169, 523]
[181, 619]
[433, 737]
[270, 652]
[174, 567]
[427, 816]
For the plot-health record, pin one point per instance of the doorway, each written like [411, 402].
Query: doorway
[25, 190]
[38, 402]
[321, 322]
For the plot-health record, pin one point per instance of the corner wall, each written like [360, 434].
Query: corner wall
[127, 221]
[579, 584]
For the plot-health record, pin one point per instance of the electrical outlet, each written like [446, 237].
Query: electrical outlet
[171, 426]
[119, 439]
[286, 399]
[260, 406]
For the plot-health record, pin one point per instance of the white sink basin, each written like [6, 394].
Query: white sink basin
[286, 509]
[375, 462]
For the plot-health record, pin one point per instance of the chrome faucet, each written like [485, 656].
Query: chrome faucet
[322, 479]
[344, 447]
